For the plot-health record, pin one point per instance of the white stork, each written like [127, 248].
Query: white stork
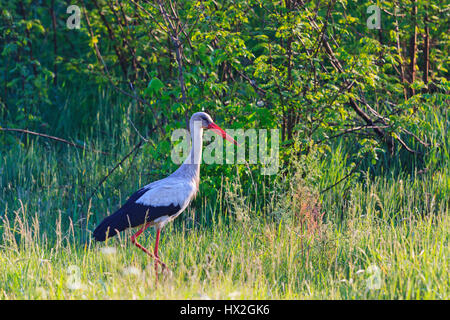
[162, 201]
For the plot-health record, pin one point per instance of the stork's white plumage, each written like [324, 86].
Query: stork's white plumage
[162, 201]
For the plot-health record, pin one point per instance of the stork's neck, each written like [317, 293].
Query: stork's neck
[191, 166]
[195, 155]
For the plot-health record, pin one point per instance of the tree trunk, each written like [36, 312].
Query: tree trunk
[55, 44]
[399, 52]
[426, 49]
[413, 48]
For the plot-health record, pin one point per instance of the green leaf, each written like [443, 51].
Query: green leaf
[155, 85]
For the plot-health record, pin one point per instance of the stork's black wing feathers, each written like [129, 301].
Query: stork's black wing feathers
[131, 214]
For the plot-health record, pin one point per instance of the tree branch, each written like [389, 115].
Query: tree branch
[52, 138]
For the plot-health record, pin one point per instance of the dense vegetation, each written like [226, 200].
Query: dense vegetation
[358, 208]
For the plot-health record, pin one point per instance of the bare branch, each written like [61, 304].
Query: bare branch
[105, 72]
[345, 177]
[52, 138]
[350, 131]
[113, 169]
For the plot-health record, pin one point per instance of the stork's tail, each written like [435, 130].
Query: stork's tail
[111, 226]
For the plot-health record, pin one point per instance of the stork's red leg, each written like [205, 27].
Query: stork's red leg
[158, 231]
[155, 252]
[153, 255]
[137, 234]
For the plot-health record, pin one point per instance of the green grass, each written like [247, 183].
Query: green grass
[383, 235]
[386, 225]
[254, 260]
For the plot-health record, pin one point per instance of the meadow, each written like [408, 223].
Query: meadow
[372, 236]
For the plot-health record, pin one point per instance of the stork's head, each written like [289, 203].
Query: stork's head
[208, 123]
[203, 118]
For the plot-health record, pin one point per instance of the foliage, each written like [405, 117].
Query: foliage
[311, 69]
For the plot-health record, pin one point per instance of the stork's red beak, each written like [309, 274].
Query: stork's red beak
[214, 127]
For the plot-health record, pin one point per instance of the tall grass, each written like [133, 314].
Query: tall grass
[255, 258]
[380, 234]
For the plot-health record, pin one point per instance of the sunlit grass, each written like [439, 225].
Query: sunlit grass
[374, 253]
